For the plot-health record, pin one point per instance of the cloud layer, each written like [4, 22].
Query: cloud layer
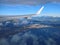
[28, 2]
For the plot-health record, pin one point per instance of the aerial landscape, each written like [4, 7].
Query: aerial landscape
[30, 22]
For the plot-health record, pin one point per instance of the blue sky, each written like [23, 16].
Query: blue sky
[50, 9]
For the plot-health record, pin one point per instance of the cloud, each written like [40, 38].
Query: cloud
[15, 38]
[3, 41]
[28, 2]
[23, 38]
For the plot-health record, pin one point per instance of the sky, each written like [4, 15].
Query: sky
[50, 9]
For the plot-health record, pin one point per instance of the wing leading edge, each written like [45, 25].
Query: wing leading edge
[21, 16]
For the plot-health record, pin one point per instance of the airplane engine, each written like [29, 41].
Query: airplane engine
[27, 17]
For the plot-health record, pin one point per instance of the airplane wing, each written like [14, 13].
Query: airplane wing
[20, 16]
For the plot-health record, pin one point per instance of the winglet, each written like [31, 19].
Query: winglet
[39, 11]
